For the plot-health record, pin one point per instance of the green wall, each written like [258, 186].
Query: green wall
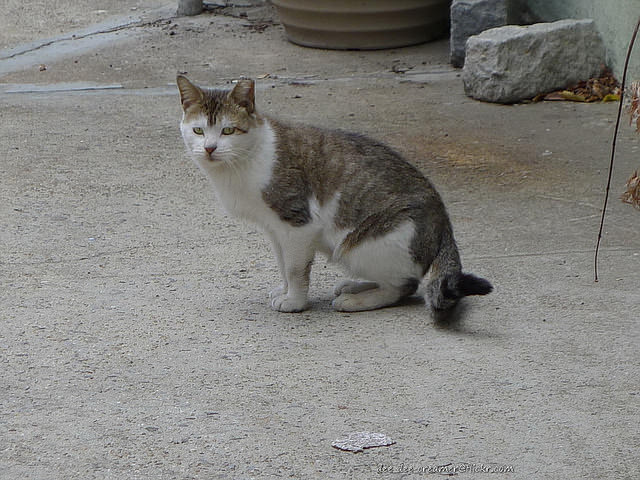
[615, 20]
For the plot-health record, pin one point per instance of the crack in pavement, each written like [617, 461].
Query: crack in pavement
[84, 40]
[74, 36]
[218, 9]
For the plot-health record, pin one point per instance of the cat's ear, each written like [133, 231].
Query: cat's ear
[190, 94]
[243, 95]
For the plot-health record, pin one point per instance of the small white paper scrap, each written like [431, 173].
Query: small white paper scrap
[358, 441]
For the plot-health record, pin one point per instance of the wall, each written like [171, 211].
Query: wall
[615, 19]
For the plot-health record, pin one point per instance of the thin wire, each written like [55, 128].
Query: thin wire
[613, 147]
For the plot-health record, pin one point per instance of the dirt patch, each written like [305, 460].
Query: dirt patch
[488, 162]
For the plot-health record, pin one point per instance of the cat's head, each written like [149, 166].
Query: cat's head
[218, 126]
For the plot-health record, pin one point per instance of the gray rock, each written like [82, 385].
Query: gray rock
[189, 7]
[513, 63]
[470, 17]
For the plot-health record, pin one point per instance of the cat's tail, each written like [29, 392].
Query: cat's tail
[448, 284]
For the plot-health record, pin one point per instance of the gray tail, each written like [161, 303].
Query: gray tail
[448, 284]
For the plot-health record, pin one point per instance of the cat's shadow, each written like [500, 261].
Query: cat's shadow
[411, 301]
[452, 319]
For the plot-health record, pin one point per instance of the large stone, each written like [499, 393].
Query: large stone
[513, 63]
[470, 17]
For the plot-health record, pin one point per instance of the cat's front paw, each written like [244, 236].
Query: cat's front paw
[289, 304]
[277, 292]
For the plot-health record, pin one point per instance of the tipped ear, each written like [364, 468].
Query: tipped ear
[190, 94]
[243, 94]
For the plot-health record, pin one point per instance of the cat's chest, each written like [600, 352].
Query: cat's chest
[239, 186]
[240, 194]
[248, 207]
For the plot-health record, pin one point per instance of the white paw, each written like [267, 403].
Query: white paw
[346, 302]
[287, 303]
[278, 291]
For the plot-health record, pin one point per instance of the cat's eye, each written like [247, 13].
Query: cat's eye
[198, 131]
[228, 130]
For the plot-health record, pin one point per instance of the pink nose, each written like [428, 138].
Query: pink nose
[211, 149]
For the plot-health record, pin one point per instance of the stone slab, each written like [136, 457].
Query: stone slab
[512, 63]
[470, 17]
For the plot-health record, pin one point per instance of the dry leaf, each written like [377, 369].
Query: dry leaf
[634, 109]
[632, 195]
[574, 97]
[553, 96]
[604, 88]
[611, 97]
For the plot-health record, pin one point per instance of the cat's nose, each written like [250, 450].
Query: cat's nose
[210, 149]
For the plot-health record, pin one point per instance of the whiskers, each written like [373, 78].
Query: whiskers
[233, 155]
[238, 157]
[234, 159]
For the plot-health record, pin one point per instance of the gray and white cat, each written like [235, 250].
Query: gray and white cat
[314, 190]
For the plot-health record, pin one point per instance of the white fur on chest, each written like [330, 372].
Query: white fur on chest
[238, 186]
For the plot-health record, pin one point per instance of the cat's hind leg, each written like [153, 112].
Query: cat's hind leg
[353, 286]
[371, 298]
[387, 263]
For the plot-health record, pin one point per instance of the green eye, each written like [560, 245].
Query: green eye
[228, 130]
[198, 131]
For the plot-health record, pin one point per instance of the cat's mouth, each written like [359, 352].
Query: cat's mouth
[212, 158]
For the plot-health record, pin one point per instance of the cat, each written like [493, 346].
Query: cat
[317, 190]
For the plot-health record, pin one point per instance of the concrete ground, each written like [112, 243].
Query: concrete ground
[136, 339]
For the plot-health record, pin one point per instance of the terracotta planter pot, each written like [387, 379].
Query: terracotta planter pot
[363, 24]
